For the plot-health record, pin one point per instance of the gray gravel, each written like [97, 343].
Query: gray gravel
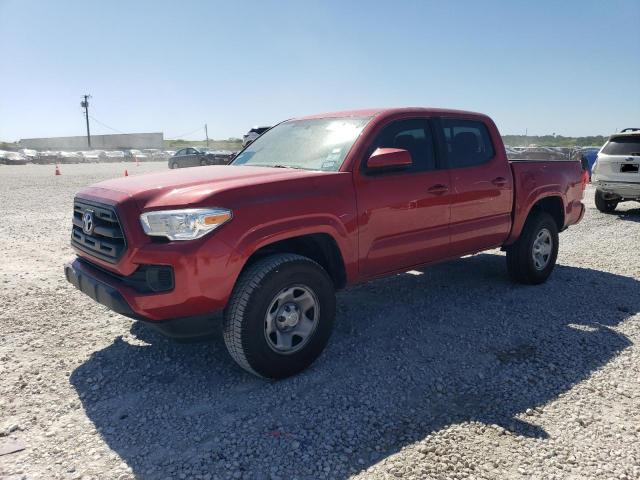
[450, 372]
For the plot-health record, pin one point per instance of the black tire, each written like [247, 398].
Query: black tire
[520, 256]
[245, 320]
[604, 205]
[173, 165]
[204, 162]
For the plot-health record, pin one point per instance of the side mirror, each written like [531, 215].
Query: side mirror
[389, 158]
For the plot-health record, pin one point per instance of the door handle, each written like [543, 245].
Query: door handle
[438, 189]
[499, 181]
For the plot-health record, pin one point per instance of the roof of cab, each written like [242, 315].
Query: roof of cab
[371, 112]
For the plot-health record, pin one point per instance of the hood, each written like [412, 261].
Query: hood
[189, 186]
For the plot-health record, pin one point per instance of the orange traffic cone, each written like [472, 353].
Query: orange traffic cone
[126, 174]
[58, 170]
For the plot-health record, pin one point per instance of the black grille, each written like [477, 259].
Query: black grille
[106, 241]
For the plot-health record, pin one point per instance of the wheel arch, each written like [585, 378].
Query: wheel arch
[320, 247]
[554, 206]
[552, 203]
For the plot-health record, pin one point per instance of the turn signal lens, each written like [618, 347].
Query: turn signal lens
[217, 219]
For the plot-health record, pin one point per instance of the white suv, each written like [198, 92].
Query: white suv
[252, 134]
[616, 173]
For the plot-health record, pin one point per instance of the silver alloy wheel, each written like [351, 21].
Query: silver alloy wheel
[291, 319]
[542, 248]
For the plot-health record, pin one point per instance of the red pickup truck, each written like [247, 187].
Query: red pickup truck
[313, 205]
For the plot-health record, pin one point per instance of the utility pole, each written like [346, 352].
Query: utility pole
[206, 133]
[85, 104]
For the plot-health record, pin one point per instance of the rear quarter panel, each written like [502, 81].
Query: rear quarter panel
[535, 180]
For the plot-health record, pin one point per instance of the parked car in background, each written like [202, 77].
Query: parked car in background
[220, 157]
[70, 157]
[193, 157]
[30, 154]
[14, 158]
[313, 205]
[512, 153]
[134, 154]
[616, 173]
[542, 153]
[47, 156]
[563, 152]
[115, 156]
[252, 134]
[153, 154]
[94, 156]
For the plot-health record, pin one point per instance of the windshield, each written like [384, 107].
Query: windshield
[628, 145]
[315, 144]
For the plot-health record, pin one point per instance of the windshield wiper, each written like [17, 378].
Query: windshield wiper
[276, 166]
[283, 166]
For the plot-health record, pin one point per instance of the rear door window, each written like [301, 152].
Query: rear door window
[467, 142]
[628, 145]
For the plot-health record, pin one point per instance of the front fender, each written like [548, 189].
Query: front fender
[274, 231]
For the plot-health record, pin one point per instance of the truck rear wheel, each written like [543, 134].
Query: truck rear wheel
[603, 204]
[532, 258]
[280, 315]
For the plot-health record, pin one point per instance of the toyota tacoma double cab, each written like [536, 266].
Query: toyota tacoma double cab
[311, 206]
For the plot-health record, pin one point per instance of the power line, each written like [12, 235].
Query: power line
[185, 134]
[105, 125]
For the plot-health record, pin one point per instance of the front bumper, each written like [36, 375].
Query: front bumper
[630, 190]
[99, 289]
[107, 290]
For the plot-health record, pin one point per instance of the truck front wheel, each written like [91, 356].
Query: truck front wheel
[280, 315]
[531, 259]
[603, 204]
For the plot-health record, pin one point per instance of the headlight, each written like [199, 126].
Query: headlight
[187, 224]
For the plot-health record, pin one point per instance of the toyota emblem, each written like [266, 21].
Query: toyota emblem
[87, 222]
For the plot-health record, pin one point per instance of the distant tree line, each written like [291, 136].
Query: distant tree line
[228, 144]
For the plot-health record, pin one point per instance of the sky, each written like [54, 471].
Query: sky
[542, 67]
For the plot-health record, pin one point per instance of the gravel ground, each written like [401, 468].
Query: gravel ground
[450, 372]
